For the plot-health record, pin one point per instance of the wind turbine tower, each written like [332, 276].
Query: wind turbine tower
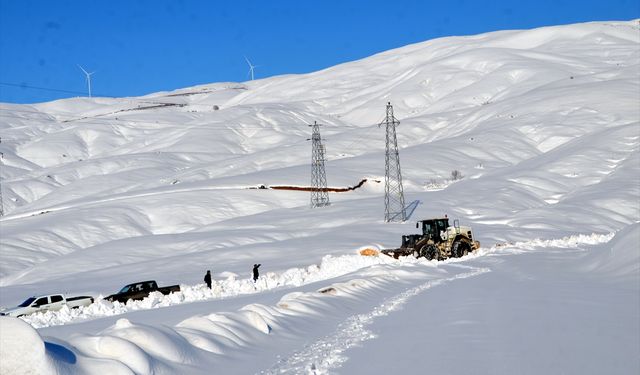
[251, 67]
[88, 78]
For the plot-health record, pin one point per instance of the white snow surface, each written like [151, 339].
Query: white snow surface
[543, 125]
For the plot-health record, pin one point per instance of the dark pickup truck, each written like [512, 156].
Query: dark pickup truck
[140, 290]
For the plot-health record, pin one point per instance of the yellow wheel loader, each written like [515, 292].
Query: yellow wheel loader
[438, 241]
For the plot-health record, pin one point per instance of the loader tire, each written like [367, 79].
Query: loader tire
[430, 252]
[460, 248]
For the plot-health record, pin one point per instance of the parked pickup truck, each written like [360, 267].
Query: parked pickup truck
[140, 290]
[51, 302]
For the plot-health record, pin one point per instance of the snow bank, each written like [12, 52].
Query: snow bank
[568, 242]
[121, 351]
[619, 259]
[166, 345]
[22, 350]
[147, 349]
[330, 267]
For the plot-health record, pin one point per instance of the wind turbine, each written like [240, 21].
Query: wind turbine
[88, 78]
[251, 67]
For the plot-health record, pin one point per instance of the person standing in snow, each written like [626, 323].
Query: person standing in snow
[207, 279]
[255, 272]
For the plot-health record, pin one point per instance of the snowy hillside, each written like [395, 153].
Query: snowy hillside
[543, 124]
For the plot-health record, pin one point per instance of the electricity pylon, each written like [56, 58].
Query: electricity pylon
[319, 193]
[394, 209]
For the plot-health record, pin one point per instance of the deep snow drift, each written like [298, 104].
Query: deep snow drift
[544, 126]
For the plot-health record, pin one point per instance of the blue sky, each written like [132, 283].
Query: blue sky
[140, 47]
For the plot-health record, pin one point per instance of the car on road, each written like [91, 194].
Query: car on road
[51, 302]
[140, 290]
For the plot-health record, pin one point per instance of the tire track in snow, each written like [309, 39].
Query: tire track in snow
[326, 354]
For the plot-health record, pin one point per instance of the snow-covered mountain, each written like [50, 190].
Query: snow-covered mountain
[543, 124]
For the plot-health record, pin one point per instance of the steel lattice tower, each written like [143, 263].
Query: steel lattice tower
[319, 193]
[394, 209]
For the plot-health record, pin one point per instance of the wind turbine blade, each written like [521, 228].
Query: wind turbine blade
[85, 72]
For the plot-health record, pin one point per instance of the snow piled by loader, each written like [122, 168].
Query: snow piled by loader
[330, 268]
[542, 124]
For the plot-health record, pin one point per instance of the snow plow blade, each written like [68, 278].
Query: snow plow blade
[396, 253]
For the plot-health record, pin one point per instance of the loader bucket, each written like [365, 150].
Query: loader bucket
[369, 252]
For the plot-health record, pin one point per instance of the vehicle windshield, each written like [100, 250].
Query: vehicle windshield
[125, 289]
[428, 228]
[27, 302]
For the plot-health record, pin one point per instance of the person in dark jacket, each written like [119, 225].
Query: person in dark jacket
[207, 279]
[255, 272]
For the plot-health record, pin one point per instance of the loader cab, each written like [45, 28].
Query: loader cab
[434, 228]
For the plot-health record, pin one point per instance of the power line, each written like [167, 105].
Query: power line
[146, 101]
[105, 121]
[95, 120]
[73, 158]
[25, 86]
[224, 127]
[110, 120]
[114, 121]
